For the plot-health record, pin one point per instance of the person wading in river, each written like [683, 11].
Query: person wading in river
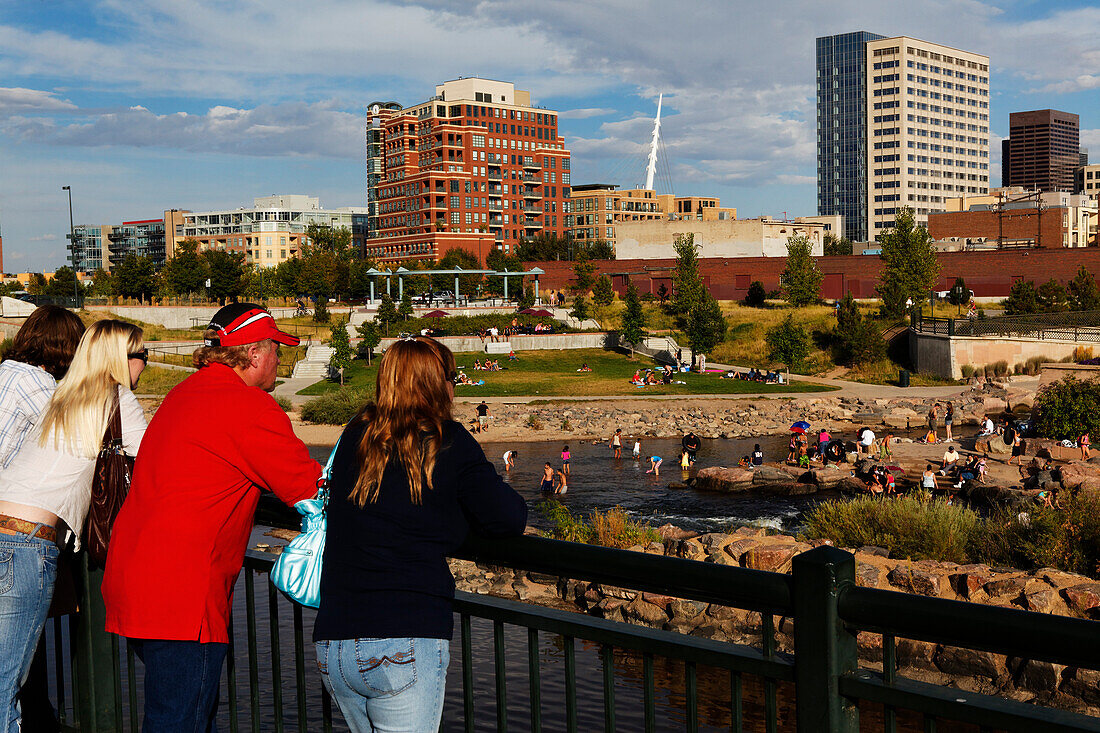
[216, 441]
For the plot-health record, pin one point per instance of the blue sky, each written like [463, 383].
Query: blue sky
[144, 105]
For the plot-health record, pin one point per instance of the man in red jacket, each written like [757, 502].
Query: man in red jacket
[178, 544]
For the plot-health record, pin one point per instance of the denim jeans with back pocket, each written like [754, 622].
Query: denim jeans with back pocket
[28, 569]
[386, 685]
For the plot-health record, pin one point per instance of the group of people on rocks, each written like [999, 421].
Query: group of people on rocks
[407, 485]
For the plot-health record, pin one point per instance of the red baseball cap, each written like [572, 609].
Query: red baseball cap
[246, 323]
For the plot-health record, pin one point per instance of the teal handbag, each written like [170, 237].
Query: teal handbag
[297, 572]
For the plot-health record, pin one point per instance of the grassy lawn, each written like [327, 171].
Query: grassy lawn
[150, 331]
[555, 373]
[158, 380]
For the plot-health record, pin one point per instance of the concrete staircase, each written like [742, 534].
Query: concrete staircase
[315, 365]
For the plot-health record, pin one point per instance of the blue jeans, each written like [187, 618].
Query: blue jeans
[387, 685]
[182, 679]
[28, 569]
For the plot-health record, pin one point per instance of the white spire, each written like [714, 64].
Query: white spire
[652, 167]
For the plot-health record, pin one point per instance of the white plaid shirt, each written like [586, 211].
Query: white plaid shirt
[24, 392]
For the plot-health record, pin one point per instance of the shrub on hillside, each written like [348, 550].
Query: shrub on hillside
[334, 408]
[967, 370]
[284, 403]
[1066, 538]
[911, 528]
[756, 295]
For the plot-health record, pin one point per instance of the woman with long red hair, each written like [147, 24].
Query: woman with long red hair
[408, 483]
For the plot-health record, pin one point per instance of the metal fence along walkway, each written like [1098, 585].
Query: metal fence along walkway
[271, 681]
[1071, 326]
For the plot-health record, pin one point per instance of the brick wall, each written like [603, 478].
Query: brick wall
[988, 274]
[1018, 224]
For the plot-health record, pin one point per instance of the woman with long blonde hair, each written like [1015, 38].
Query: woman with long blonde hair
[408, 483]
[46, 489]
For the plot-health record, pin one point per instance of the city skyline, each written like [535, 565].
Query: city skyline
[142, 107]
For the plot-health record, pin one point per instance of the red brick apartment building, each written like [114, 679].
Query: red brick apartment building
[988, 274]
[474, 167]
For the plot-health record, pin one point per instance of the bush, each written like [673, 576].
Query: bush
[320, 312]
[911, 528]
[756, 295]
[284, 403]
[967, 370]
[856, 339]
[334, 408]
[1066, 538]
[612, 528]
[1000, 368]
[788, 343]
[4, 346]
[1082, 353]
[1020, 368]
[1067, 408]
[534, 422]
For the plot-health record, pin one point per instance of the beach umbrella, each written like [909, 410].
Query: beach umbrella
[542, 313]
[437, 314]
[802, 426]
[528, 312]
[796, 429]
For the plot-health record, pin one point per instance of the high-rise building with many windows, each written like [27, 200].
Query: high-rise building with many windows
[475, 167]
[1042, 150]
[842, 129]
[925, 129]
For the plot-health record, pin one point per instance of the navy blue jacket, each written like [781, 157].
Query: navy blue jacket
[385, 571]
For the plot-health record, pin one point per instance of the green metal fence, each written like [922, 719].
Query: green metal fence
[820, 596]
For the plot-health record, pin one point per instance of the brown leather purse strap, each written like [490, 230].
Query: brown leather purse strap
[112, 437]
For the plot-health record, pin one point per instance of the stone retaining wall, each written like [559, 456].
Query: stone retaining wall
[1041, 591]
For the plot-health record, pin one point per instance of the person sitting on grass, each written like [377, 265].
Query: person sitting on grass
[463, 378]
[586, 368]
[477, 365]
[637, 379]
[512, 356]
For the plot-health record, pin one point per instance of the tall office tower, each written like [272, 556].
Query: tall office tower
[1083, 156]
[925, 125]
[842, 129]
[1043, 149]
[474, 167]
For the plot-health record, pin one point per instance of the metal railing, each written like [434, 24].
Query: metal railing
[820, 596]
[1070, 326]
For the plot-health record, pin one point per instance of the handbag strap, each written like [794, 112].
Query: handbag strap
[112, 436]
[326, 474]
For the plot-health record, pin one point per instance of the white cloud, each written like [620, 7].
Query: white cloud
[18, 99]
[43, 238]
[269, 130]
[1091, 139]
[584, 113]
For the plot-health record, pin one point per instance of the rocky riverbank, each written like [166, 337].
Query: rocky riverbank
[1043, 591]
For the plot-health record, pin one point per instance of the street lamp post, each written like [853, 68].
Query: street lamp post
[72, 244]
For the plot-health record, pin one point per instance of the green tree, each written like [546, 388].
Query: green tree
[135, 277]
[330, 239]
[835, 245]
[501, 262]
[856, 339]
[63, 283]
[369, 337]
[186, 271]
[387, 313]
[580, 308]
[633, 319]
[601, 249]
[910, 268]
[526, 298]
[583, 271]
[37, 284]
[320, 310]
[1052, 297]
[602, 292]
[801, 278]
[1022, 298]
[1068, 408]
[543, 247]
[226, 271]
[756, 295]
[706, 326]
[405, 308]
[788, 343]
[687, 285]
[959, 294]
[341, 347]
[103, 284]
[287, 279]
[662, 293]
[467, 261]
[1084, 295]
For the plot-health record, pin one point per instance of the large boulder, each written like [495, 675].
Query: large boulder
[728, 480]
[1080, 475]
[992, 444]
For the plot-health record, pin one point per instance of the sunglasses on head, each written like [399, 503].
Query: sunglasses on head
[143, 355]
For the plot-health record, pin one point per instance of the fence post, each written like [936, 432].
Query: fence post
[950, 326]
[824, 649]
[95, 701]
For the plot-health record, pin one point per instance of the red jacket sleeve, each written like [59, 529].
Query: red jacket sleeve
[274, 458]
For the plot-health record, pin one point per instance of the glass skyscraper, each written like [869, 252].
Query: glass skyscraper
[842, 129]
